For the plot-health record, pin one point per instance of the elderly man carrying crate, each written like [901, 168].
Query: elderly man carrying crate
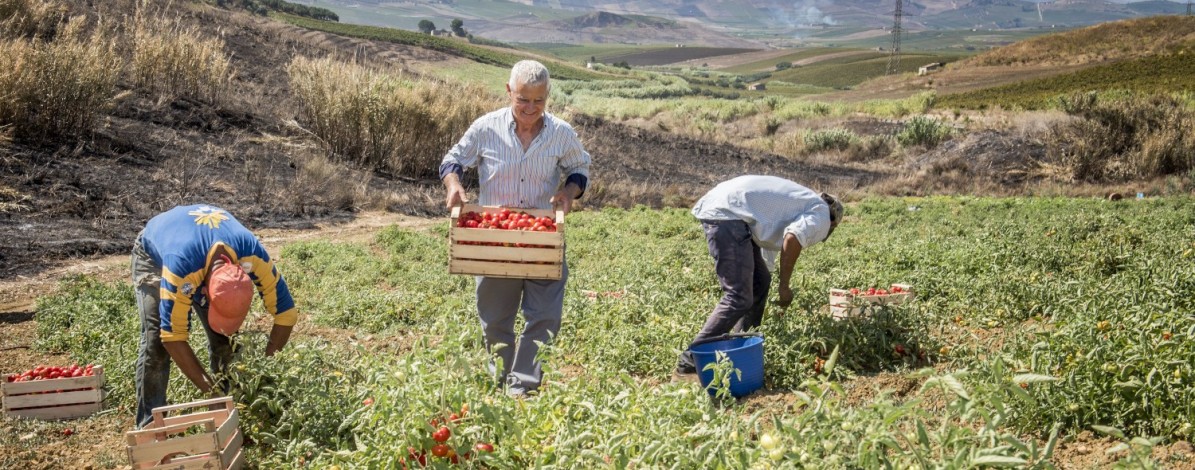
[743, 218]
[199, 259]
[521, 153]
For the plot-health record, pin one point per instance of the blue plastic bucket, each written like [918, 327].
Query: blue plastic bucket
[745, 352]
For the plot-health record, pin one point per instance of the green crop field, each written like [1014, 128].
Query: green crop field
[852, 70]
[500, 57]
[770, 64]
[1036, 320]
[1165, 73]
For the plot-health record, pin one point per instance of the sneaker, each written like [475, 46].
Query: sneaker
[685, 369]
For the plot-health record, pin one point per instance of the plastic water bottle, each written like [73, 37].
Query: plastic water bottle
[1140, 196]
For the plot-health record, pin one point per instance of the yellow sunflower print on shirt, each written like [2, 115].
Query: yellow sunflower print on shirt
[209, 216]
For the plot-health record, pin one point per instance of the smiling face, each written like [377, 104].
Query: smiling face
[527, 103]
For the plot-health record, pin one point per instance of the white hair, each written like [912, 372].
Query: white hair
[528, 72]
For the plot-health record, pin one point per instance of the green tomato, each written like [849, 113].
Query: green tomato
[768, 442]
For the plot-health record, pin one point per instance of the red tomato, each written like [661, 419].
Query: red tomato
[440, 450]
[68, 432]
[483, 447]
[368, 401]
[900, 349]
[854, 291]
[454, 417]
[442, 434]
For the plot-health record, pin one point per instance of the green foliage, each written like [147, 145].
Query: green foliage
[783, 66]
[1082, 301]
[426, 26]
[924, 131]
[830, 139]
[1158, 74]
[559, 70]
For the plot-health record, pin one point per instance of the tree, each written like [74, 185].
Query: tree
[458, 27]
[783, 65]
[426, 26]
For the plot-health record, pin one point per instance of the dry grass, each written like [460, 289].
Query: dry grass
[1136, 137]
[172, 60]
[1103, 42]
[57, 88]
[380, 120]
[29, 19]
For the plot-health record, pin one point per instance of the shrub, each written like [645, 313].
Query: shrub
[1123, 138]
[380, 120]
[830, 139]
[57, 88]
[924, 131]
[173, 61]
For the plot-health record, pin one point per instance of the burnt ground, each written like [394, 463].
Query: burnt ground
[87, 196]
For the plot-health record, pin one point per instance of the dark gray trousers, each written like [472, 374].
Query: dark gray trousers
[498, 304]
[744, 277]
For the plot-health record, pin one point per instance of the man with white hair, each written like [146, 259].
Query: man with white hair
[521, 154]
[746, 221]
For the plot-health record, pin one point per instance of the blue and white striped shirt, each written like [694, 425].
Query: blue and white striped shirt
[771, 207]
[511, 177]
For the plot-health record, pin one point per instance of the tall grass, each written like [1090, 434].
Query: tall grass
[171, 60]
[56, 88]
[1118, 139]
[381, 120]
[29, 19]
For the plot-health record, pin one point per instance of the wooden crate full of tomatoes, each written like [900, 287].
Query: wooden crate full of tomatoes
[52, 392]
[506, 242]
[845, 303]
[207, 438]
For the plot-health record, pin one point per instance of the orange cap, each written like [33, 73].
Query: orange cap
[229, 294]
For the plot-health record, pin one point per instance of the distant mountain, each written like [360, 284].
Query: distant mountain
[734, 23]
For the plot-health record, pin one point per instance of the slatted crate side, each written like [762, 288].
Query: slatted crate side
[48, 385]
[509, 260]
[844, 297]
[68, 398]
[221, 448]
[509, 270]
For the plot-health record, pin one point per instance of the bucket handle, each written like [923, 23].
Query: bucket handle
[725, 337]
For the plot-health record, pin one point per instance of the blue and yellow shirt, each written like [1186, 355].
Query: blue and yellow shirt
[183, 241]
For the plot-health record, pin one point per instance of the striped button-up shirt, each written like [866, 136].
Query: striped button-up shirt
[512, 177]
[771, 207]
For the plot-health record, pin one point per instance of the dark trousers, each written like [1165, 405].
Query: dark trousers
[744, 277]
[153, 362]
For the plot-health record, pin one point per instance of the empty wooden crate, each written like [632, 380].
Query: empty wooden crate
[521, 254]
[62, 398]
[201, 439]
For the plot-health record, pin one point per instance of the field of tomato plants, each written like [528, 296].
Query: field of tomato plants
[1036, 320]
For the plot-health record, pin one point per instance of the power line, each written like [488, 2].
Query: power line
[894, 56]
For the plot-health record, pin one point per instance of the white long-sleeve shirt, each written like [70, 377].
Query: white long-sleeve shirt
[511, 177]
[771, 207]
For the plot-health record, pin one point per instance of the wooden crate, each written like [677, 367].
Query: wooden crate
[843, 304]
[170, 441]
[513, 259]
[68, 398]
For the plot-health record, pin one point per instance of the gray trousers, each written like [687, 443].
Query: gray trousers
[153, 362]
[498, 302]
[744, 277]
